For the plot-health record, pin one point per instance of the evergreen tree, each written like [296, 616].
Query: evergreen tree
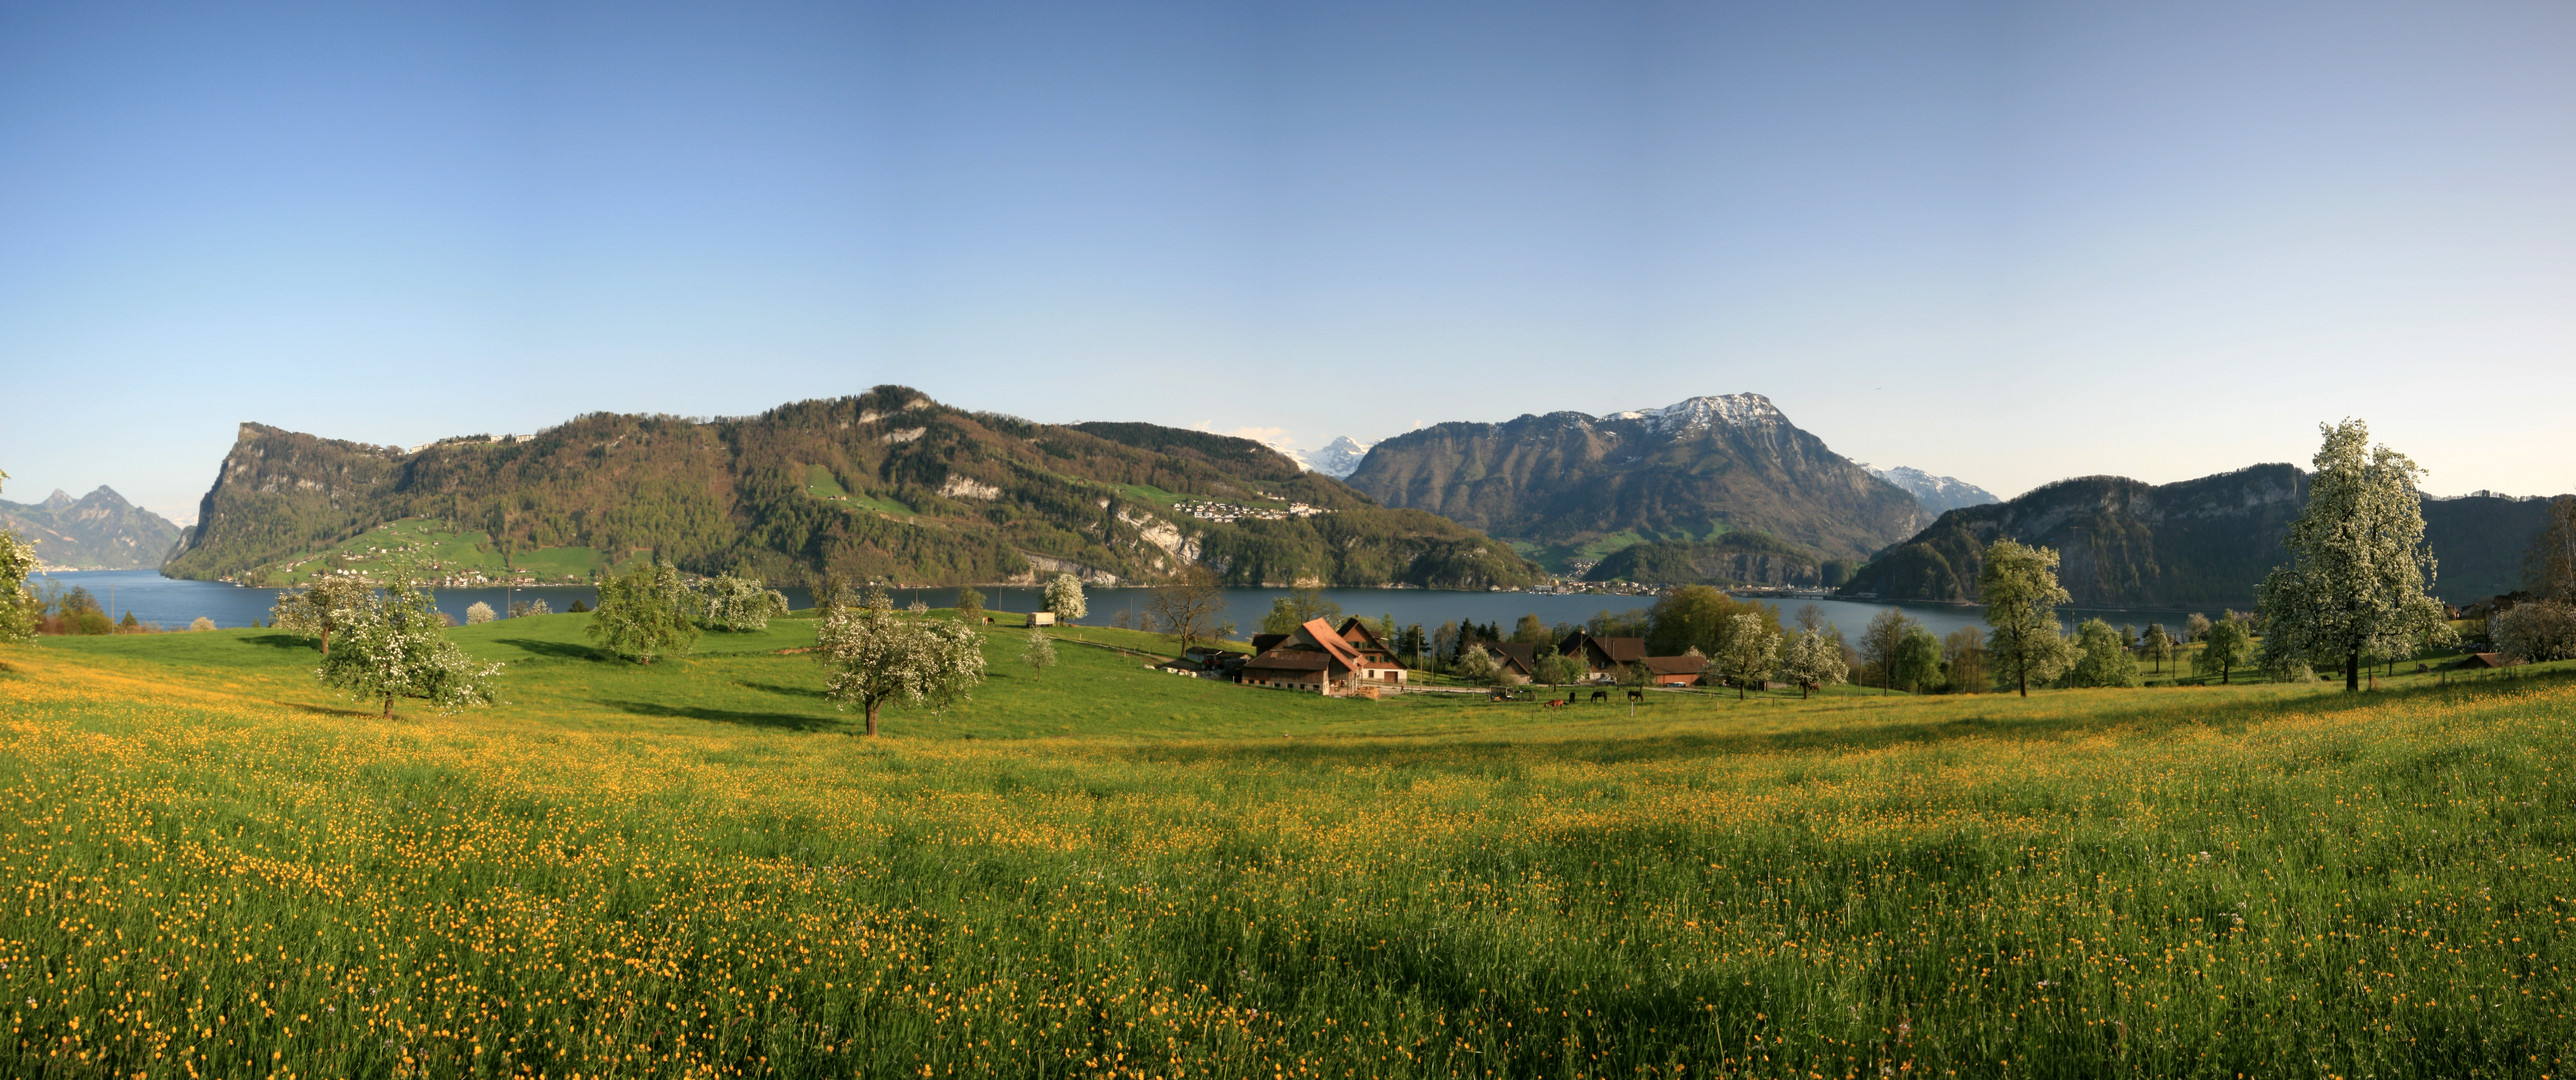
[2358, 566]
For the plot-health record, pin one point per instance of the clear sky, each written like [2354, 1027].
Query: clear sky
[2010, 243]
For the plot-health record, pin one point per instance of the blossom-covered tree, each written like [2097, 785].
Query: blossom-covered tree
[2358, 568]
[1815, 661]
[17, 560]
[479, 614]
[1064, 598]
[877, 656]
[736, 604]
[1039, 654]
[394, 645]
[318, 609]
[1752, 649]
[643, 614]
[2019, 588]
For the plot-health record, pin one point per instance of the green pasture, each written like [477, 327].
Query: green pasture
[214, 867]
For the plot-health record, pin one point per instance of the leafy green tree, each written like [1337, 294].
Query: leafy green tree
[1064, 598]
[643, 614]
[1815, 661]
[1530, 631]
[2358, 563]
[736, 604]
[1412, 645]
[1917, 660]
[1752, 650]
[2102, 659]
[1039, 653]
[394, 645]
[1694, 616]
[2224, 647]
[1303, 604]
[2019, 588]
[970, 605]
[876, 656]
[1880, 640]
[1557, 669]
[2537, 631]
[1963, 653]
[319, 608]
[2158, 645]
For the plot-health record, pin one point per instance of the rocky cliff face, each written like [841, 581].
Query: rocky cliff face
[98, 531]
[1696, 469]
[2197, 543]
[888, 485]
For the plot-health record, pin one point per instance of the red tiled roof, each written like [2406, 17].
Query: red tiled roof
[1322, 633]
[1677, 665]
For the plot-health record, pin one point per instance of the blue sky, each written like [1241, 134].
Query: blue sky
[2003, 242]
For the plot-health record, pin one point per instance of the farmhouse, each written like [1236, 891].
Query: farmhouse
[1515, 657]
[1320, 658]
[1683, 670]
[1603, 657]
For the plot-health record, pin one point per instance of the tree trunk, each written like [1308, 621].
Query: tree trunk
[326, 641]
[2352, 671]
[872, 719]
[389, 707]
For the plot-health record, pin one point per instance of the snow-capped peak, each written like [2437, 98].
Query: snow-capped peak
[1339, 458]
[1732, 410]
[1938, 494]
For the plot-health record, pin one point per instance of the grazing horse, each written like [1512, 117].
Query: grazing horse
[1556, 703]
[1601, 696]
[1636, 695]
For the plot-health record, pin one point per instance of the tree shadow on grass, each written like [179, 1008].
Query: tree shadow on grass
[562, 650]
[2151, 714]
[280, 641]
[814, 693]
[773, 721]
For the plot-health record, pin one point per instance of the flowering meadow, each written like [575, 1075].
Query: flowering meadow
[210, 866]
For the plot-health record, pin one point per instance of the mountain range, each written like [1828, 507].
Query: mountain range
[1692, 472]
[2196, 543]
[1938, 494]
[887, 485]
[98, 531]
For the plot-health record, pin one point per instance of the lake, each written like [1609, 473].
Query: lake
[173, 603]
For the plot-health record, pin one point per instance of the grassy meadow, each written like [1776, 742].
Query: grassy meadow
[214, 867]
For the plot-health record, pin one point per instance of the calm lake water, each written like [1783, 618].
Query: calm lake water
[173, 603]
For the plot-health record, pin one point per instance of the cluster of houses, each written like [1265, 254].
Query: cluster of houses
[1206, 510]
[1351, 659]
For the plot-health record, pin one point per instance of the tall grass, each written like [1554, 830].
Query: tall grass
[212, 870]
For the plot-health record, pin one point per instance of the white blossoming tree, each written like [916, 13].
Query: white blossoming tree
[1039, 654]
[2358, 566]
[735, 604]
[1815, 661]
[394, 645]
[319, 609]
[877, 656]
[1064, 598]
[1751, 651]
[17, 560]
[479, 614]
[2019, 588]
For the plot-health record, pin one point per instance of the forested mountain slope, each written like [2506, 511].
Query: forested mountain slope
[1692, 471]
[2203, 542]
[888, 485]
